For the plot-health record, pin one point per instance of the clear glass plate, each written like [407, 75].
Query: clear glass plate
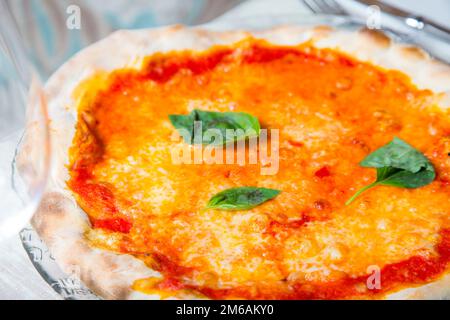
[68, 285]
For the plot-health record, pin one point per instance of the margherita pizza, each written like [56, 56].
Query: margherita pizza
[341, 110]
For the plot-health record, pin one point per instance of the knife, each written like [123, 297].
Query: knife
[413, 21]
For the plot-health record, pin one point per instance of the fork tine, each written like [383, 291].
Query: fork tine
[311, 6]
[334, 5]
[327, 7]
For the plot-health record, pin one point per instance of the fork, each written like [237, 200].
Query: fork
[324, 7]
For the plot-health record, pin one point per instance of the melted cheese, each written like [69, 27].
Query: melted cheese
[331, 112]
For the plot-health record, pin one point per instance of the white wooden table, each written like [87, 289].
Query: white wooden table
[19, 279]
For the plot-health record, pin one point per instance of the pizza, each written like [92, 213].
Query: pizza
[348, 109]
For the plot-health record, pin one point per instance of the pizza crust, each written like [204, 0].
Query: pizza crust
[61, 222]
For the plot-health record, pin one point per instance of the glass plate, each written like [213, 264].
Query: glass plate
[68, 285]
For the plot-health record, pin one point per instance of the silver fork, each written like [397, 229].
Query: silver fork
[324, 6]
[431, 44]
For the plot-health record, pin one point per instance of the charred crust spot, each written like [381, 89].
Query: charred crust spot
[414, 52]
[322, 31]
[54, 203]
[176, 27]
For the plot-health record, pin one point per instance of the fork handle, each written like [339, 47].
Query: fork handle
[437, 31]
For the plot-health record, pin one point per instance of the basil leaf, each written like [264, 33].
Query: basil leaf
[241, 198]
[184, 122]
[399, 165]
[214, 126]
[408, 179]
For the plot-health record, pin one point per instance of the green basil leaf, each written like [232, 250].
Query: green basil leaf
[241, 198]
[185, 122]
[214, 126]
[399, 165]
